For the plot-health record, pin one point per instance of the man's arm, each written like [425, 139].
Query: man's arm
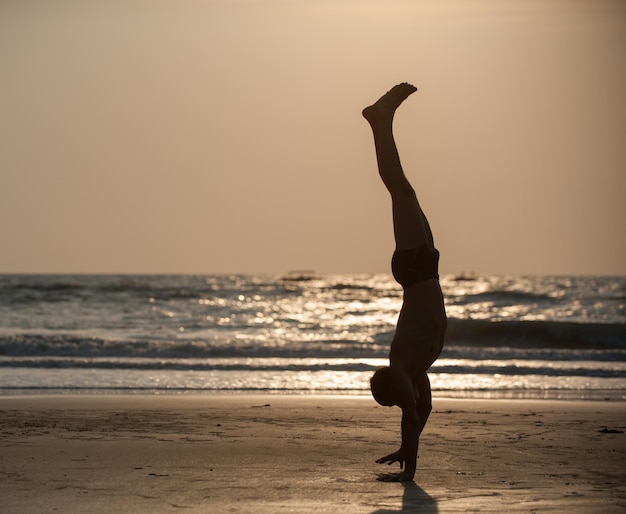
[410, 430]
[410, 437]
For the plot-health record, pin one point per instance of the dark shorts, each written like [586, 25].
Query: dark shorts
[415, 265]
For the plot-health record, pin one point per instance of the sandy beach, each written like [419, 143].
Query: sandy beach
[275, 454]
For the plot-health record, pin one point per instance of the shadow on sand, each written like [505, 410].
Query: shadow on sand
[414, 499]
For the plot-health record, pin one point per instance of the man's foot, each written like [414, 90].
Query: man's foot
[385, 107]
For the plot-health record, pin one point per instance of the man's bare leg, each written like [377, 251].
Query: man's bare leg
[411, 227]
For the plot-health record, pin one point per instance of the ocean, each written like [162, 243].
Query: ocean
[305, 333]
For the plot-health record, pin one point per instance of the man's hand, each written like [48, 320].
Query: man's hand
[393, 457]
[403, 476]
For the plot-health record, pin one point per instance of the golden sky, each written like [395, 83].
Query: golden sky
[212, 136]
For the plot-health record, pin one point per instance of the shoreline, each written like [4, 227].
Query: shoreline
[562, 395]
[306, 453]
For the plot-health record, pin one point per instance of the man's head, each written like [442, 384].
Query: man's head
[381, 385]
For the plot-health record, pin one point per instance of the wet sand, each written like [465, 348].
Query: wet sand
[305, 454]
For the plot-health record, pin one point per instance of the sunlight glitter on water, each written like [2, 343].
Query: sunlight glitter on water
[34, 381]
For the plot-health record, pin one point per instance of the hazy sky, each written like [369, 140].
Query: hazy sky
[210, 136]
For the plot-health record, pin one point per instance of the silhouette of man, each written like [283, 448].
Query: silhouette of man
[418, 339]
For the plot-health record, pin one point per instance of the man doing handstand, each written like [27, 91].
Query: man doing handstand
[421, 325]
